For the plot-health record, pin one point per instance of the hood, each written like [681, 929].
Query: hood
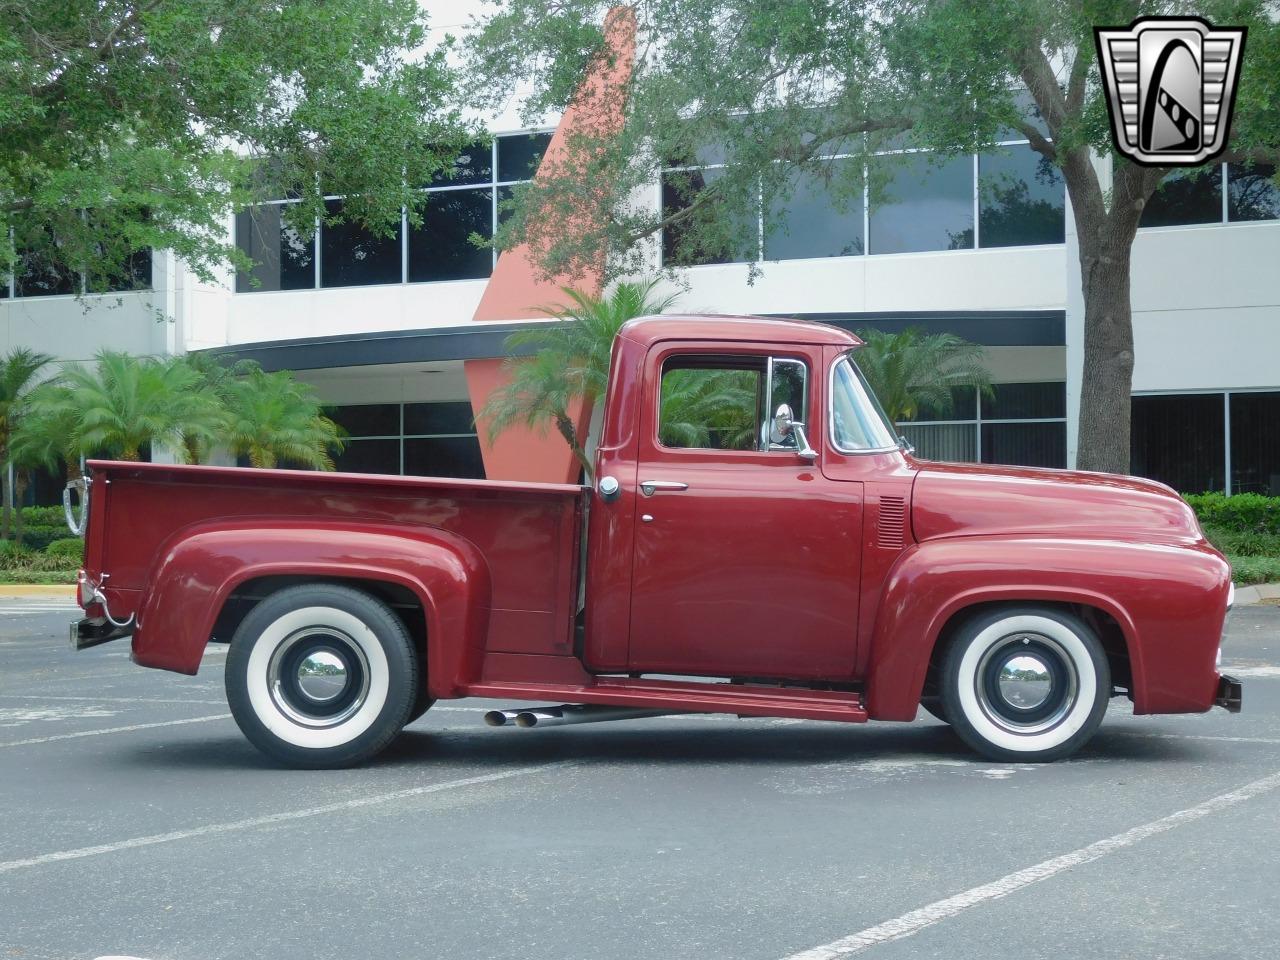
[983, 500]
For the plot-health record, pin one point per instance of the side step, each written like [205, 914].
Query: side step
[677, 696]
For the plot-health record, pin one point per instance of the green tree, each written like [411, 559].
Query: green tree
[767, 87]
[912, 370]
[128, 124]
[272, 418]
[123, 404]
[18, 371]
[221, 381]
[570, 361]
[709, 408]
[44, 437]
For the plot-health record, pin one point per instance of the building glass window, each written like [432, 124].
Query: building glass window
[812, 223]
[461, 202]
[42, 276]
[351, 256]
[1252, 193]
[1024, 424]
[283, 258]
[732, 239]
[1255, 443]
[1183, 198]
[419, 439]
[519, 156]
[441, 249]
[925, 206]
[1021, 199]
[1179, 440]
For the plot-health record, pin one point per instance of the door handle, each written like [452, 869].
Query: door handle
[650, 487]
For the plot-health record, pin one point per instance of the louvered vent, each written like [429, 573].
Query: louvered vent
[890, 530]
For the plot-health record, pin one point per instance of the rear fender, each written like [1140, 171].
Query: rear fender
[1168, 601]
[201, 566]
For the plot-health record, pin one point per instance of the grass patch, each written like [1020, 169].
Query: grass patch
[37, 576]
[1248, 570]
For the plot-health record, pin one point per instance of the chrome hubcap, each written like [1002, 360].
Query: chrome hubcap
[318, 677]
[1026, 683]
[322, 675]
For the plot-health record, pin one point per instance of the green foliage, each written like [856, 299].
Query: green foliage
[1246, 570]
[709, 408]
[12, 552]
[912, 370]
[26, 575]
[272, 418]
[66, 548]
[1243, 513]
[570, 361]
[118, 120]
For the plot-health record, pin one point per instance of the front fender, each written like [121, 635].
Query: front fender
[199, 567]
[1168, 600]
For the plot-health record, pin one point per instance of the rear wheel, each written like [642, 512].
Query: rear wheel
[1025, 683]
[321, 675]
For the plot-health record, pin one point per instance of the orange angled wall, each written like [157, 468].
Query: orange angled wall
[515, 290]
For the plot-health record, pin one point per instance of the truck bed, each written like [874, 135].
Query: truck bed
[527, 533]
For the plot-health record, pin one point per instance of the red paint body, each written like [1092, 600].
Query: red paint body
[821, 586]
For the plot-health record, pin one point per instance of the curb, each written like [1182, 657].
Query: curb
[38, 590]
[1257, 593]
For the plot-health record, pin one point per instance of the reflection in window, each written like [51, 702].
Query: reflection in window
[441, 248]
[711, 403]
[788, 385]
[472, 165]
[1255, 443]
[1178, 440]
[1183, 198]
[812, 223]
[283, 259]
[41, 275]
[1021, 199]
[351, 256]
[924, 205]
[519, 155]
[718, 238]
[857, 422]
[1252, 193]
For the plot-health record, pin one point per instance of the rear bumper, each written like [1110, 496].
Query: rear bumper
[1230, 694]
[92, 631]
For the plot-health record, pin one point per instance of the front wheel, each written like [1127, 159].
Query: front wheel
[321, 675]
[1025, 683]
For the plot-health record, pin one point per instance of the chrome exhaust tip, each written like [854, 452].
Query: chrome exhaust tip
[500, 718]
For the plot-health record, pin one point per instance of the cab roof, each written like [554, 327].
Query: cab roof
[647, 331]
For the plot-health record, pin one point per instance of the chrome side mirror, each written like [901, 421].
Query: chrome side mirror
[785, 426]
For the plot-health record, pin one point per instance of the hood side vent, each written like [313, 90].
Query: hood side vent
[891, 526]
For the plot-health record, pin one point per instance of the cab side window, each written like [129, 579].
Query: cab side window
[725, 402]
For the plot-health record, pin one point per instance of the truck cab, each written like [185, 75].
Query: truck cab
[754, 541]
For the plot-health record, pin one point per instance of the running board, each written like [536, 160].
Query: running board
[677, 696]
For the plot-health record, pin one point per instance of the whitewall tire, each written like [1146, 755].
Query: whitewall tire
[321, 675]
[1025, 683]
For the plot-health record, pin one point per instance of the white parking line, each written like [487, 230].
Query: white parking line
[912, 923]
[273, 818]
[128, 729]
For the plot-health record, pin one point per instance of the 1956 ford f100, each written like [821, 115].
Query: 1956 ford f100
[778, 554]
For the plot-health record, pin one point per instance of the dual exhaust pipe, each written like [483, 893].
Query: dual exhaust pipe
[568, 713]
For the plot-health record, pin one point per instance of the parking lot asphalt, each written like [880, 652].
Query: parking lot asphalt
[137, 821]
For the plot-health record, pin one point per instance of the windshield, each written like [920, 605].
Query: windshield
[857, 421]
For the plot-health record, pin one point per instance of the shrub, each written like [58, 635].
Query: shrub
[12, 553]
[66, 548]
[1241, 513]
[1245, 570]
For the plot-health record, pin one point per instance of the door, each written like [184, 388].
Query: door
[747, 559]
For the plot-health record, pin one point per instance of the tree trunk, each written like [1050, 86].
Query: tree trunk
[564, 423]
[19, 491]
[1108, 355]
[4, 490]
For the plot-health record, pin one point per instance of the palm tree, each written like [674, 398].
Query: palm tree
[45, 437]
[271, 417]
[125, 403]
[706, 408]
[220, 380]
[570, 360]
[912, 370]
[18, 369]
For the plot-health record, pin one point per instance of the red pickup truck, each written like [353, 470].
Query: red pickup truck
[756, 542]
